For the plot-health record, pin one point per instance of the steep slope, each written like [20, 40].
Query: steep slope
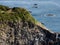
[18, 27]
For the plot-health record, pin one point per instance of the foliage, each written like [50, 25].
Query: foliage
[15, 14]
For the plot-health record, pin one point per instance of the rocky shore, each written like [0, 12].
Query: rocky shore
[18, 27]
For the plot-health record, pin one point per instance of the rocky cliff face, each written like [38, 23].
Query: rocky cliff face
[18, 27]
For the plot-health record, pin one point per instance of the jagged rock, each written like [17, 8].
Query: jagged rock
[20, 28]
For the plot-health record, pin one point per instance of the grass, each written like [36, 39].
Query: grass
[16, 14]
[5, 8]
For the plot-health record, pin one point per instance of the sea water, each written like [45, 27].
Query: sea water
[47, 12]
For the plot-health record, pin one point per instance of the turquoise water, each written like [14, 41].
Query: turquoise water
[41, 13]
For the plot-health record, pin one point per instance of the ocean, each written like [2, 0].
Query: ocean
[46, 12]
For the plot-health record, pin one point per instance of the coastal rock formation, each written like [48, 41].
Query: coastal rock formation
[18, 27]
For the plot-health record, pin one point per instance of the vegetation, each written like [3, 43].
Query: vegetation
[5, 8]
[15, 14]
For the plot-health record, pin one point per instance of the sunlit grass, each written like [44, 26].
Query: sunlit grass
[15, 14]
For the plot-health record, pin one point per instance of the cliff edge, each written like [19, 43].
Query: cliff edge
[18, 27]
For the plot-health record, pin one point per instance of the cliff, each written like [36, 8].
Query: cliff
[18, 27]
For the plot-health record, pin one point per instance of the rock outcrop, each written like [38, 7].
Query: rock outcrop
[18, 27]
